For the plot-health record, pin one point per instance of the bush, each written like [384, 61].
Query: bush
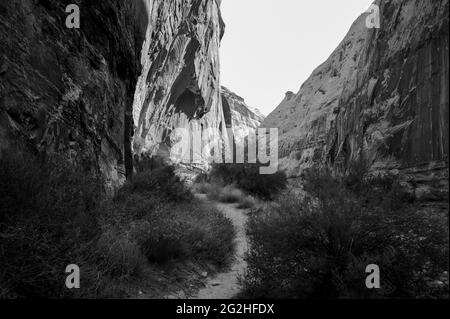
[159, 213]
[201, 188]
[318, 245]
[228, 194]
[160, 182]
[225, 194]
[231, 195]
[47, 222]
[248, 178]
[121, 256]
[214, 192]
[247, 202]
[53, 215]
[188, 231]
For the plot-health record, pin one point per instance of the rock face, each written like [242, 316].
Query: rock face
[383, 93]
[179, 87]
[238, 115]
[116, 88]
[70, 91]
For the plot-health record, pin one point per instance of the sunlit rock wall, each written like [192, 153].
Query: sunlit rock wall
[180, 83]
[305, 118]
[240, 117]
[383, 94]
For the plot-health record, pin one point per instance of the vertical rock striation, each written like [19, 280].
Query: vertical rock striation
[180, 83]
[384, 94]
[117, 87]
[70, 91]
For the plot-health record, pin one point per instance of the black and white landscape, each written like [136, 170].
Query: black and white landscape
[128, 169]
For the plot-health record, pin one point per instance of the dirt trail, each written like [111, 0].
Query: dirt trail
[226, 285]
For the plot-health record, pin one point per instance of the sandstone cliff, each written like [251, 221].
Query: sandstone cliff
[116, 87]
[119, 86]
[70, 91]
[383, 93]
[238, 115]
[180, 83]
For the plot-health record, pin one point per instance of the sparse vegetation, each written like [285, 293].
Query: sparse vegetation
[318, 245]
[228, 194]
[201, 188]
[248, 178]
[247, 202]
[52, 215]
[168, 227]
[239, 183]
[312, 246]
[47, 223]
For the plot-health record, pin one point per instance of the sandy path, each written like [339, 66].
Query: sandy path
[226, 285]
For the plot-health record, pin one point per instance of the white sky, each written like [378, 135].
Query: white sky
[272, 46]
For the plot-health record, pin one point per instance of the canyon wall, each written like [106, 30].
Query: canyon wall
[240, 117]
[70, 91]
[114, 89]
[383, 94]
[179, 87]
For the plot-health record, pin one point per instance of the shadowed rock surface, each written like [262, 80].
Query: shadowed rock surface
[70, 91]
[383, 93]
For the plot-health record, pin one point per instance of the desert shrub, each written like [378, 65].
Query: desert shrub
[318, 245]
[193, 230]
[230, 194]
[210, 234]
[371, 190]
[52, 215]
[248, 178]
[247, 202]
[226, 194]
[214, 192]
[201, 187]
[162, 250]
[47, 222]
[119, 255]
[161, 181]
[158, 242]
[159, 214]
